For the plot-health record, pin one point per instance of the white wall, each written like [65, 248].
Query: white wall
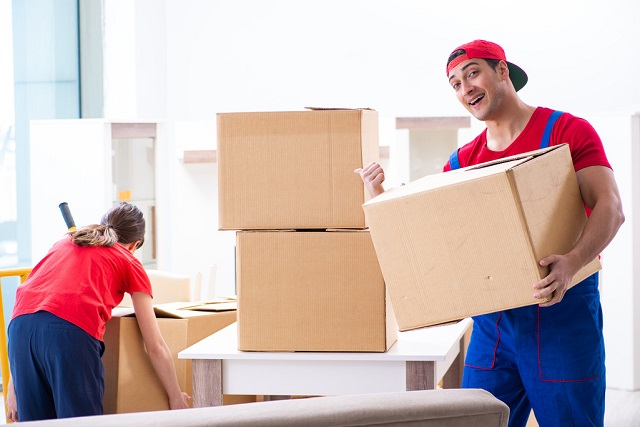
[620, 277]
[390, 55]
[183, 61]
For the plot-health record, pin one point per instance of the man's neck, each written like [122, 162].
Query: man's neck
[508, 125]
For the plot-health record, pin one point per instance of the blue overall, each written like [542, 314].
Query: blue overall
[550, 359]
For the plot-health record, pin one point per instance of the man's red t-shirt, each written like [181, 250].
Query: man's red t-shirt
[584, 143]
[81, 284]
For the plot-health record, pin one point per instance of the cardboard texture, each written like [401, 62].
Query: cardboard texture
[468, 242]
[311, 291]
[294, 170]
[131, 383]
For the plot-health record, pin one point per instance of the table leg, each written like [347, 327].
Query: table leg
[453, 377]
[421, 375]
[207, 382]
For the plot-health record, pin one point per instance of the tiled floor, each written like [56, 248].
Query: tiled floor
[622, 409]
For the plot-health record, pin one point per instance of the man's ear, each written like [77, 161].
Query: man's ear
[503, 70]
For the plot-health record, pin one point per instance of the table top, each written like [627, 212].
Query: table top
[425, 344]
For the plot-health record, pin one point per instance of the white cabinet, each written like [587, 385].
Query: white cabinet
[92, 164]
[423, 145]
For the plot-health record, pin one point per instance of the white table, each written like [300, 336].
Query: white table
[417, 361]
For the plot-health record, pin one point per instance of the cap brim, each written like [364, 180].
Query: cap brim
[517, 75]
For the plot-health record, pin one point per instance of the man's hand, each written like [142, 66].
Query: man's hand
[372, 176]
[562, 268]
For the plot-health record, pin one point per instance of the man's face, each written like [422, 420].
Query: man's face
[479, 87]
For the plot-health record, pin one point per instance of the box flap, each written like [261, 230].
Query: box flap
[439, 180]
[523, 156]
[216, 305]
[181, 310]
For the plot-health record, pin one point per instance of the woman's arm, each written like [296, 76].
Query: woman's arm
[11, 403]
[158, 351]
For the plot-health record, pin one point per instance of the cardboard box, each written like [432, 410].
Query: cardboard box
[294, 170]
[468, 242]
[311, 291]
[131, 383]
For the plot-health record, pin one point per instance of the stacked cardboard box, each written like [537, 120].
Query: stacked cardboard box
[308, 278]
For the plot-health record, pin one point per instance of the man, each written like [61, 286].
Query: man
[549, 357]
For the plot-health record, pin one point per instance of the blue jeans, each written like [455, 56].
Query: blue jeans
[56, 368]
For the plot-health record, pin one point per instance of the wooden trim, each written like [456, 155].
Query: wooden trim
[453, 377]
[420, 375]
[432, 122]
[207, 382]
[154, 239]
[200, 156]
[133, 130]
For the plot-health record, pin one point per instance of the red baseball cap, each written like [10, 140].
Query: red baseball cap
[487, 50]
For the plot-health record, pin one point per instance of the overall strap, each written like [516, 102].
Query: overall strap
[454, 163]
[546, 136]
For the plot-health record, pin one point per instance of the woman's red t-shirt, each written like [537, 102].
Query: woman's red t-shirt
[81, 284]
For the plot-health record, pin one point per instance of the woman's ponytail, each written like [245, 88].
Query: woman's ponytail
[94, 235]
[123, 223]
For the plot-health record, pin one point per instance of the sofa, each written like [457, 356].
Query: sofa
[441, 407]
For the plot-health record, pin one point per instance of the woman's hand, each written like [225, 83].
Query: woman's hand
[180, 402]
[157, 349]
[11, 402]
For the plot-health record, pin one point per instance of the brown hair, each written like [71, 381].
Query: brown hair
[123, 223]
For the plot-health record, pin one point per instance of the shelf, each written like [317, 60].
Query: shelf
[200, 156]
[211, 156]
[432, 122]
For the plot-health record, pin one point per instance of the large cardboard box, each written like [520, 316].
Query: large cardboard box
[468, 242]
[311, 291]
[280, 170]
[131, 383]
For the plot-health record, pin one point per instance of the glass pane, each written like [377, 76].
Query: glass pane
[133, 168]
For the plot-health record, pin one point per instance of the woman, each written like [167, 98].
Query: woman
[55, 334]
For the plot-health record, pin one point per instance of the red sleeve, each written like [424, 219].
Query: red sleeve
[136, 279]
[584, 142]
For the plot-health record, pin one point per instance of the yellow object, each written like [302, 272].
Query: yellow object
[4, 354]
[124, 195]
